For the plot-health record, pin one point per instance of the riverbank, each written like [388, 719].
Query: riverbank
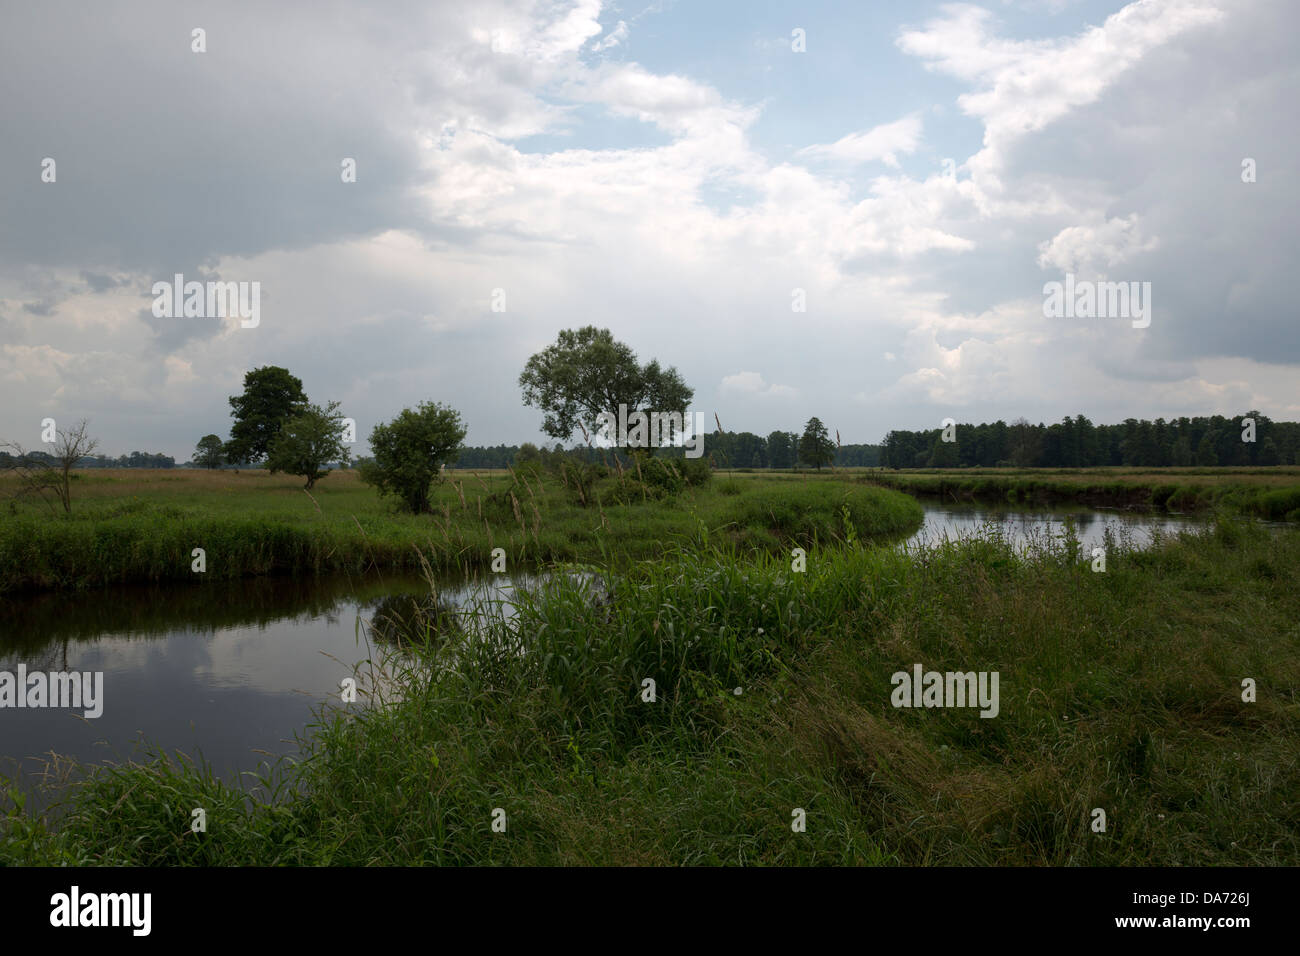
[136, 527]
[1120, 691]
[1269, 493]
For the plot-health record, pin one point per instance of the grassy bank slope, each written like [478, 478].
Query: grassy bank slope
[1119, 690]
[132, 527]
[1271, 493]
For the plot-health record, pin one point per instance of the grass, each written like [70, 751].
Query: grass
[1119, 690]
[1270, 493]
[133, 526]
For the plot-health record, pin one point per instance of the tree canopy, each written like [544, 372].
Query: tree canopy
[409, 452]
[1075, 442]
[271, 395]
[307, 442]
[815, 446]
[587, 373]
[209, 452]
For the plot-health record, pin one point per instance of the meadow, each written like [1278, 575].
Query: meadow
[1121, 692]
[137, 525]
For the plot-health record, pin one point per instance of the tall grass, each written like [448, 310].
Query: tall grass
[1119, 690]
[1270, 494]
[130, 529]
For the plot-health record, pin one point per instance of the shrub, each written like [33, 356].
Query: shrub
[663, 474]
[580, 478]
[528, 470]
[1161, 494]
[627, 490]
[410, 450]
[810, 512]
[697, 472]
[1277, 504]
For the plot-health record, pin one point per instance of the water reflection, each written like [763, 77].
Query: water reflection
[222, 669]
[1026, 527]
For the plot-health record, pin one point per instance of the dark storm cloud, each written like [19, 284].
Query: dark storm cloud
[167, 158]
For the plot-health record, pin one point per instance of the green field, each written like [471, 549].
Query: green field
[134, 525]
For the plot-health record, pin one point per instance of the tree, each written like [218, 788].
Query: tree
[40, 473]
[1268, 452]
[586, 374]
[747, 450]
[409, 452]
[271, 395]
[943, 454]
[209, 452]
[1025, 443]
[1205, 453]
[780, 450]
[528, 452]
[816, 447]
[307, 442]
[1143, 449]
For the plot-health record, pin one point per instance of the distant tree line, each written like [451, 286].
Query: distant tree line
[507, 456]
[725, 449]
[1078, 443]
[137, 459]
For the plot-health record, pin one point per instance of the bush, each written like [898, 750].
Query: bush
[663, 474]
[806, 513]
[508, 504]
[580, 478]
[528, 470]
[528, 453]
[672, 475]
[627, 490]
[697, 472]
[1161, 494]
[1278, 504]
[410, 450]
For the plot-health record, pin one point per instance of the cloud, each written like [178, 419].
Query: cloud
[611, 39]
[752, 384]
[675, 103]
[1087, 248]
[1023, 85]
[882, 143]
[100, 283]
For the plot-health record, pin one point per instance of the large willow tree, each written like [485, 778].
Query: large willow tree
[587, 374]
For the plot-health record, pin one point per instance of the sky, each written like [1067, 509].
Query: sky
[847, 210]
